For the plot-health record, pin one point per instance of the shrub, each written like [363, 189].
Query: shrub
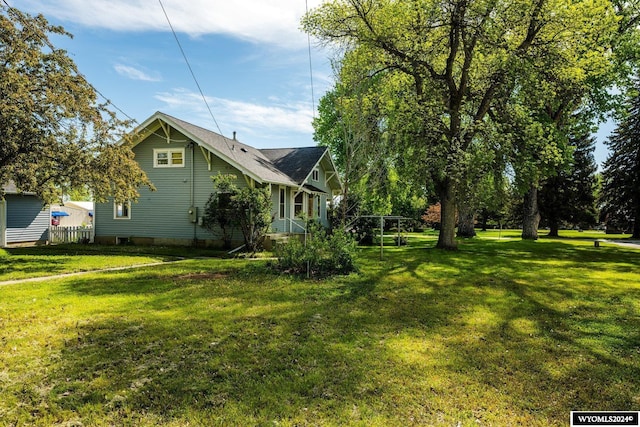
[321, 254]
[229, 207]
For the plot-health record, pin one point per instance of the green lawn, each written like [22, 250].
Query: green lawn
[501, 332]
[39, 261]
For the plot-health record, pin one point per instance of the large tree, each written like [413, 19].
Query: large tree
[448, 59]
[54, 135]
[620, 194]
[569, 196]
[347, 125]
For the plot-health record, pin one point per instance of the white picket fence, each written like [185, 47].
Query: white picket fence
[71, 234]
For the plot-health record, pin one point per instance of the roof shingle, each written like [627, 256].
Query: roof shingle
[288, 166]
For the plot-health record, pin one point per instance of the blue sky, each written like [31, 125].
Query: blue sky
[249, 56]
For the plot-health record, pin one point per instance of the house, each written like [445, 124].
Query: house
[24, 218]
[73, 214]
[180, 158]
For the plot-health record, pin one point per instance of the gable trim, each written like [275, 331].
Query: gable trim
[316, 167]
[146, 129]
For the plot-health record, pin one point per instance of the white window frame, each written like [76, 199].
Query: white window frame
[124, 205]
[169, 152]
[315, 175]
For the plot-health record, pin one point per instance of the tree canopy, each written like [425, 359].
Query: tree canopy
[55, 135]
[569, 196]
[440, 65]
[620, 195]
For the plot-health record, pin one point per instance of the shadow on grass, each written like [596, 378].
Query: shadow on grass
[20, 263]
[486, 334]
[511, 329]
[224, 346]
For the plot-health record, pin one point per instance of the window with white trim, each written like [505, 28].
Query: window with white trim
[315, 175]
[121, 210]
[168, 158]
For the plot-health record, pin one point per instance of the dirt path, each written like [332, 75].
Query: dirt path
[635, 244]
[81, 273]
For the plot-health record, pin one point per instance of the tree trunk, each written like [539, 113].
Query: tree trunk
[553, 228]
[531, 217]
[446, 237]
[466, 222]
[485, 219]
[344, 202]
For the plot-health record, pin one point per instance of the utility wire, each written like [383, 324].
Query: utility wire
[184, 55]
[313, 99]
[107, 100]
[53, 49]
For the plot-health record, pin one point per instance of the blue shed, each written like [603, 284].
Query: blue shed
[24, 218]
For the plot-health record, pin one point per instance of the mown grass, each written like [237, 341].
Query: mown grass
[40, 261]
[501, 332]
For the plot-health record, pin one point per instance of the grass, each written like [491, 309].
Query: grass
[40, 261]
[501, 332]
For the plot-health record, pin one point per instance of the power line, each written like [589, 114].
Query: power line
[107, 100]
[184, 55]
[53, 49]
[313, 99]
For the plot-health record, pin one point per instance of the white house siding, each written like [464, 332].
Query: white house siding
[163, 214]
[78, 217]
[27, 219]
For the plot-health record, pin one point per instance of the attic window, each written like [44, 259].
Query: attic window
[315, 175]
[165, 158]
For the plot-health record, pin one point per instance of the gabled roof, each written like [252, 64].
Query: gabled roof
[295, 162]
[287, 166]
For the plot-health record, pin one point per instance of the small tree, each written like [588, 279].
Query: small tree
[218, 216]
[252, 208]
[248, 208]
[431, 216]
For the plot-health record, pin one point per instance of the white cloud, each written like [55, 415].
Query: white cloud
[274, 22]
[268, 121]
[135, 74]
